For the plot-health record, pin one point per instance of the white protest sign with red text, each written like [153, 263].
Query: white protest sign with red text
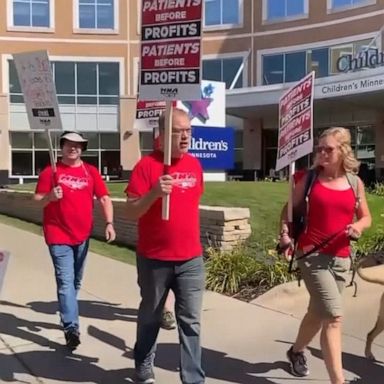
[170, 50]
[148, 113]
[296, 122]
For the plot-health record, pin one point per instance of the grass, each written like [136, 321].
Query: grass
[264, 199]
[113, 251]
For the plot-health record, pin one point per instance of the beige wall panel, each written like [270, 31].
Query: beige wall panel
[129, 137]
[3, 17]
[252, 144]
[241, 44]
[134, 18]
[65, 49]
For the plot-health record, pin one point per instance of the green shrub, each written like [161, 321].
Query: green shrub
[369, 243]
[242, 269]
[378, 189]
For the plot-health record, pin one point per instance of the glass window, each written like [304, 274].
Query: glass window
[64, 73]
[295, 66]
[280, 9]
[91, 157]
[41, 161]
[222, 12]
[21, 140]
[110, 140]
[270, 137]
[109, 79]
[347, 3]
[318, 61]
[365, 135]
[14, 84]
[223, 70]
[41, 140]
[230, 69]
[212, 70]
[96, 14]
[93, 140]
[273, 69]
[86, 78]
[336, 53]
[31, 13]
[21, 163]
[110, 162]
[238, 163]
[239, 139]
[77, 82]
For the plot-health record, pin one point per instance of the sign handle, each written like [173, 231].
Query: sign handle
[290, 194]
[51, 156]
[167, 155]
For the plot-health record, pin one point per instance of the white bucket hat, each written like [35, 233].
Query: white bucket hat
[75, 137]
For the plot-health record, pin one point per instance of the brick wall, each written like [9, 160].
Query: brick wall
[222, 227]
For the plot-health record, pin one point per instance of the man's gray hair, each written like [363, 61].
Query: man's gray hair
[174, 111]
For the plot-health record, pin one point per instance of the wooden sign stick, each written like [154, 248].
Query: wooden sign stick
[167, 155]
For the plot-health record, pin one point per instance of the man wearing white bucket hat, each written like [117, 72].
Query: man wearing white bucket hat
[68, 198]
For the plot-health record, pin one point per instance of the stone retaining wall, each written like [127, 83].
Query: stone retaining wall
[221, 227]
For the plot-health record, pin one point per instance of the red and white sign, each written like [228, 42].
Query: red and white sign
[170, 50]
[148, 113]
[296, 122]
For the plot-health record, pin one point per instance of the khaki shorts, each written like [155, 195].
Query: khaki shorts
[325, 277]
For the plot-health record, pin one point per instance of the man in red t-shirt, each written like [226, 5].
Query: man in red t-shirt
[169, 253]
[67, 196]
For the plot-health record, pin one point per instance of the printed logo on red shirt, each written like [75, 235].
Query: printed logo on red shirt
[184, 180]
[73, 182]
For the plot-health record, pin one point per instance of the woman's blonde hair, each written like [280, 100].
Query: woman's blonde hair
[343, 136]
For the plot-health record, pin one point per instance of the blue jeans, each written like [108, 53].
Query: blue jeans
[187, 281]
[69, 261]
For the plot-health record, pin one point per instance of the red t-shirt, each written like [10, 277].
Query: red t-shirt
[329, 212]
[69, 220]
[178, 238]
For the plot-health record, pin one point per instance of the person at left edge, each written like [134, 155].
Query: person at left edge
[68, 199]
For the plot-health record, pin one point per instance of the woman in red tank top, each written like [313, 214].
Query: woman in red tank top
[332, 205]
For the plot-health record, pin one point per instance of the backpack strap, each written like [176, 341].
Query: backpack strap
[311, 177]
[353, 181]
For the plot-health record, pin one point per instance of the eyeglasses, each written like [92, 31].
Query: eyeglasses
[327, 150]
[179, 132]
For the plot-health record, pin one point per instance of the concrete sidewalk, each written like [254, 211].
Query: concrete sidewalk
[243, 343]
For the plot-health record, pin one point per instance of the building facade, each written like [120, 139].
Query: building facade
[257, 47]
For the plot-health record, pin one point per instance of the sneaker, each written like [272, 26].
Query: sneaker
[298, 363]
[72, 338]
[168, 320]
[144, 373]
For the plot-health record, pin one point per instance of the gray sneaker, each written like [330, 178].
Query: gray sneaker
[168, 320]
[298, 363]
[144, 373]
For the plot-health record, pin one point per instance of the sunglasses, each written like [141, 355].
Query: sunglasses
[325, 149]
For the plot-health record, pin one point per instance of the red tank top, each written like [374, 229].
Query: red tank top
[329, 212]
